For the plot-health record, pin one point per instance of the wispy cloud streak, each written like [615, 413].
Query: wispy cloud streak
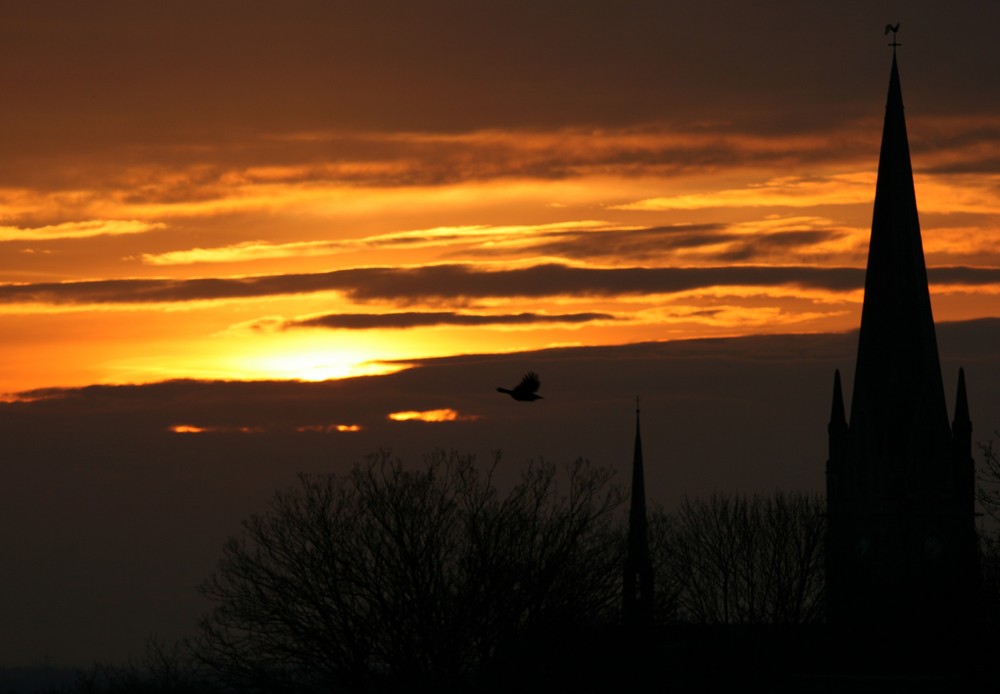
[459, 281]
[415, 319]
[418, 238]
[78, 230]
[447, 282]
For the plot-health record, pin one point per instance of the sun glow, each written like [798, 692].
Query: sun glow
[317, 365]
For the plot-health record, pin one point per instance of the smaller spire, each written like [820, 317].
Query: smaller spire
[837, 417]
[961, 401]
[837, 428]
[637, 589]
[961, 426]
[638, 532]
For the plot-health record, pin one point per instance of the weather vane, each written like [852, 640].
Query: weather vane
[893, 29]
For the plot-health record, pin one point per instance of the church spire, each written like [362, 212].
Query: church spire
[637, 596]
[901, 542]
[898, 392]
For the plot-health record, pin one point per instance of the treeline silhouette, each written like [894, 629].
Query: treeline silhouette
[442, 577]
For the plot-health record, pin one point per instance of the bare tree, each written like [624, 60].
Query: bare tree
[989, 565]
[988, 494]
[391, 575]
[988, 489]
[737, 559]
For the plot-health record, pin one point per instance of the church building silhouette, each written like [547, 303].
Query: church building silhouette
[903, 590]
[901, 536]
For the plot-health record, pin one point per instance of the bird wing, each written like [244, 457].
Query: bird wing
[529, 384]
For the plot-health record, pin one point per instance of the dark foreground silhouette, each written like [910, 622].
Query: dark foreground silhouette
[669, 658]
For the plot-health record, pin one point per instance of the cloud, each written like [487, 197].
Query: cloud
[329, 428]
[743, 242]
[368, 321]
[956, 144]
[444, 236]
[432, 416]
[460, 281]
[302, 173]
[241, 252]
[78, 230]
[967, 276]
[635, 243]
[447, 282]
[785, 191]
[748, 248]
[294, 170]
[212, 429]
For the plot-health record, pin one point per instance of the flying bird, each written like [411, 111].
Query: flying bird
[890, 27]
[525, 390]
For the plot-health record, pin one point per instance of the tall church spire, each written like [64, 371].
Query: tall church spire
[898, 392]
[901, 544]
[637, 594]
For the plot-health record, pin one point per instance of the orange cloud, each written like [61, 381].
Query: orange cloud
[187, 429]
[443, 237]
[329, 428]
[785, 191]
[195, 429]
[78, 230]
[443, 415]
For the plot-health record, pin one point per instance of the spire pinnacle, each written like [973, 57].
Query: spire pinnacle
[894, 30]
[637, 511]
[961, 401]
[837, 428]
[837, 418]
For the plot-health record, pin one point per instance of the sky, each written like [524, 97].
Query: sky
[243, 239]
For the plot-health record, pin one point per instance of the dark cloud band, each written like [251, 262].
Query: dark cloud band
[414, 319]
[463, 281]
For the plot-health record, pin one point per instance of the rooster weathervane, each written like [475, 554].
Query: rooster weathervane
[893, 29]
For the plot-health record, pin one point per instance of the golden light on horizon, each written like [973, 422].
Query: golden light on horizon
[315, 366]
[307, 355]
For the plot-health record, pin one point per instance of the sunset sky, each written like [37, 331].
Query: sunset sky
[211, 209]
[260, 190]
